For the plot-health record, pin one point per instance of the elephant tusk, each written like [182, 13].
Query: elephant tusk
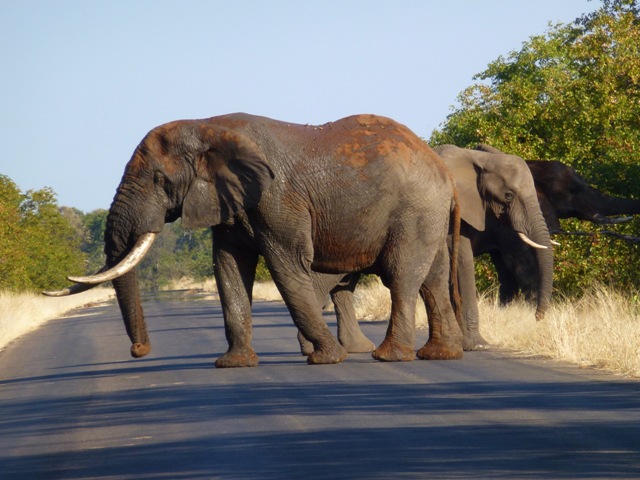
[72, 290]
[127, 264]
[553, 242]
[530, 242]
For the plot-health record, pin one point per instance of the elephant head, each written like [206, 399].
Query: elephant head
[193, 169]
[496, 190]
[565, 194]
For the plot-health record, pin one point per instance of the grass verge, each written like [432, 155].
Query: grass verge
[22, 312]
[599, 330]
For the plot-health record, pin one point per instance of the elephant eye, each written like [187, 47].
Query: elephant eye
[159, 179]
[508, 196]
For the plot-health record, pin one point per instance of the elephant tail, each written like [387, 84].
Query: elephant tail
[455, 247]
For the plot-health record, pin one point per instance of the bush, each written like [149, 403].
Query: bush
[38, 246]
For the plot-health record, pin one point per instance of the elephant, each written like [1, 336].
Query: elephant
[562, 193]
[496, 192]
[278, 189]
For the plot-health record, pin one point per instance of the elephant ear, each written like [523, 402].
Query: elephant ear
[482, 147]
[465, 173]
[232, 173]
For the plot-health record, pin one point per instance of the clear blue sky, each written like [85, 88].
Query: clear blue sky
[83, 81]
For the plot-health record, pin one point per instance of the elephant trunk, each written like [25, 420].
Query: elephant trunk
[128, 295]
[123, 238]
[616, 206]
[544, 257]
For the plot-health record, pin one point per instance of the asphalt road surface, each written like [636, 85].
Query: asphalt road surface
[73, 405]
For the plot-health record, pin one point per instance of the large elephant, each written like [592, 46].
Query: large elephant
[496, 193]
[278, 189]
[562, 193]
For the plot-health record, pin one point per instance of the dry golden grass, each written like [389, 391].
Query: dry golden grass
[207, 285]
[373, 303]
[266, 291]
[23, 312]
[600, 330]
[261, 290]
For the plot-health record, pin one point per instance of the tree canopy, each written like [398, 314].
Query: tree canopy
[571, 94]
[38, 246]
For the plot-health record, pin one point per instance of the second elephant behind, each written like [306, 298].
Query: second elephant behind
[562, 193]
[496, 191]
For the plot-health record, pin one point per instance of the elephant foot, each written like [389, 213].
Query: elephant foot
[474, 342]
[440, 351]
[306, 347]
[358, 345]
[234, 358]
[392, 351]
[326, 355]
[140, 349]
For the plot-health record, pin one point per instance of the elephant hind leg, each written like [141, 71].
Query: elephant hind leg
[445, 336]
[349, 333]
[403, 274]
[440, 346]
[297, 289]
[399, 342]
[473, 340]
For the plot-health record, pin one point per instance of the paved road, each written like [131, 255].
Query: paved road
[73, 405]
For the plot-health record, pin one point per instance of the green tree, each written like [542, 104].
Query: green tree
[94, 224]
[13, 258]
[38, 245]
[177, 253]
[572, 94]
[52, 243]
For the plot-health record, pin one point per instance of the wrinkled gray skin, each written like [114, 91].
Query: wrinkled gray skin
[562, 193]
[277, 189]
[496, 192]
[438, 294]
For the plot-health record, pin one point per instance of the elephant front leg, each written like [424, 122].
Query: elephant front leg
[306, 347]
[472, 340]
[234, 274]
[349, 333]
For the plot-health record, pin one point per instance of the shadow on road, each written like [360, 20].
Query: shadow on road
[285, 420]
[361, 449]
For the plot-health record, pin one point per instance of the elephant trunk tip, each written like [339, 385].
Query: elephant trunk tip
[140, 349]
